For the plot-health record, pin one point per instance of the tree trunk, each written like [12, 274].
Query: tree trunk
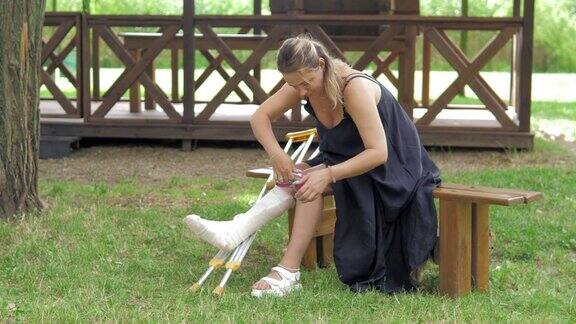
[20, 45]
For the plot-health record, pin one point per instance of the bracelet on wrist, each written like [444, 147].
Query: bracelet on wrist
[331, 174]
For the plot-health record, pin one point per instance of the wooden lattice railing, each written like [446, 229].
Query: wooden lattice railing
[394, 43]
[468, 73]
[67, 36]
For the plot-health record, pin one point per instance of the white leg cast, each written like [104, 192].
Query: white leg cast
[226, 235]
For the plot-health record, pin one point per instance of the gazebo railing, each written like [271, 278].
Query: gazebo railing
[396, 40]
[56, 47]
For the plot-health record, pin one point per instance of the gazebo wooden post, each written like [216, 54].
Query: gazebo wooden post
[513, 58]
[95, 64]
[406, 70]
[407, 60]
[257, 31]
[524, 74]
[85, 101]
[189, 63]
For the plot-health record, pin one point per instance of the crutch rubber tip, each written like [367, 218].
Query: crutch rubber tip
[218, 291]
[195, 287]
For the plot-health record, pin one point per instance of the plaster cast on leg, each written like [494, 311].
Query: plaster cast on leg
[226, 235]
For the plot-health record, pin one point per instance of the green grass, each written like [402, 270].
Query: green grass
[539, 109]
[554, 110]
[119, 252]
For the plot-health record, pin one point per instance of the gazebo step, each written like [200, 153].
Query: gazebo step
[55, 147]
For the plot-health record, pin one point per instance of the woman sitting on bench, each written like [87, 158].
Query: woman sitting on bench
[371, 160]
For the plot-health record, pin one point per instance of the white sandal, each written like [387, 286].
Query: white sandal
[288, 282]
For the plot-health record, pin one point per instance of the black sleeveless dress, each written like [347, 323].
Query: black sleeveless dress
[386, 219]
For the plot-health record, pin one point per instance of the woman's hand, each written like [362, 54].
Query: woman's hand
[314, 184]
[283, 166]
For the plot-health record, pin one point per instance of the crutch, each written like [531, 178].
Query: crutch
[236, 260]
[236, 257]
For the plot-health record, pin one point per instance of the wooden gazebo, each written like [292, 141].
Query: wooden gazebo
[370, 35]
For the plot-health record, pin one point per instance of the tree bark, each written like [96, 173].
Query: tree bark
[20, 45]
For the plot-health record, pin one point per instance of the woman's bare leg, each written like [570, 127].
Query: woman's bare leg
[306, 217]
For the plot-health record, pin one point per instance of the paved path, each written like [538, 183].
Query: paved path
[545, 86]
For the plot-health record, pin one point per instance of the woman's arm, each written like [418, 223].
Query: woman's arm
[261, 122]
[364, 112]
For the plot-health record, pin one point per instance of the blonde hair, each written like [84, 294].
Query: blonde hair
[304, 52]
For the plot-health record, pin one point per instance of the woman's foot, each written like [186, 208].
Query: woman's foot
[279, 282]
[227, 235]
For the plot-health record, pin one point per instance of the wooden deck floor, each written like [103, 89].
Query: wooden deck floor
[452, 127]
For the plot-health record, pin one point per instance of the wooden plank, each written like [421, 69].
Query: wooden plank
[212, 65]
[525, 54]
[155, 91]
[216, 64]
[318, 33]
[327, 222]
[466, 73]
[254, 58]
[84, 48]
[148, 98]
[248, 42]
[528, 196]
[57, 60]
[382, 67]
[189, 61]
[480, 261]
[257, 31]
[477, 197]
[57, 93]
[406, 72]
[455, 248]
[446, 48]
[174, 69]
[95, 64]
[310, 258]
[135, 20]
[136, 71]
[464, 137]
[241, 69]
[494, 103]
[56, 39]
[327, 250]
[426, 63]
[459, 23]
[135, 95]
[78, 45]
[377, 46]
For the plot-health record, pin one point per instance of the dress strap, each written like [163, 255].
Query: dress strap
[352, 76]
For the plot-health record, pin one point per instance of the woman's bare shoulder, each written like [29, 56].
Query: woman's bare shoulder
[358, 87]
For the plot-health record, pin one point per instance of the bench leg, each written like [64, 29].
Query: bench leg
[310, 259]
[455, 247]
[135, 87]
[480, 246]
[327, 250]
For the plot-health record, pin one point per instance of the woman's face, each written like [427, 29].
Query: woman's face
[307, 81]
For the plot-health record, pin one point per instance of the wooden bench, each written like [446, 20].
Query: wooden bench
[464, 245]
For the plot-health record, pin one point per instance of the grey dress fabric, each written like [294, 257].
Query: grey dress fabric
[386, 219]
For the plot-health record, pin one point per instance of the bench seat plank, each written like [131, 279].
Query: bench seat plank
[529, 196]
[478, 196]
[449, 191]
